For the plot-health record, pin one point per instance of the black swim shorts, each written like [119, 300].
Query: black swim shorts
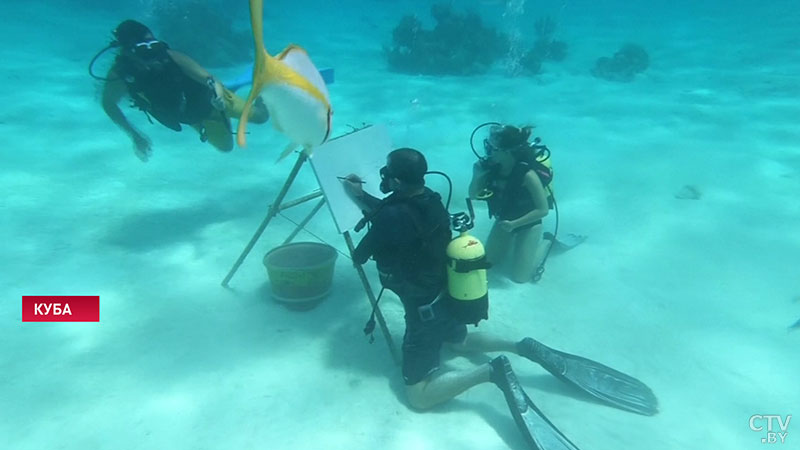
[423, 341]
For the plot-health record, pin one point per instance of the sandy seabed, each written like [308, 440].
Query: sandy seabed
[691, 296]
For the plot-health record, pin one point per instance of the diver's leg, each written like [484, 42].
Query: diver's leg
[440, 387]
[426, 384]
[483, 342]
[497, 246]
[437, 387]
[234, 105]
[542, 248]
[526, 253]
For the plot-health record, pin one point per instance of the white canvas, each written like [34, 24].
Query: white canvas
[362, 153]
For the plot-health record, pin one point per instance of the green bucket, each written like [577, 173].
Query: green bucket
[300, 273]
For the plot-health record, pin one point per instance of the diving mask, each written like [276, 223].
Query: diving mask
[385, 177]
[147, 48]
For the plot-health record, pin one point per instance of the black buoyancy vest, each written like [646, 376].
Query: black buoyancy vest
[424, 261]
[433, 227]
[159, 87]
[512, 201]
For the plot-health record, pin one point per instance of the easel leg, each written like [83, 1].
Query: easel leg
[273, 211]
[373, 301]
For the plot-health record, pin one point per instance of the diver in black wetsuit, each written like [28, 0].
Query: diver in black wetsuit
[515, 178]
[519, 198]
[408, 238]
[171, 88]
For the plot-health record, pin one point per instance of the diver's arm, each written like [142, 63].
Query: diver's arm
[366, 201]
[533, 186]
[352, 187]
[389, 230]
[113, 91]
[480, 176]
[366, 248]
[195, 71]
[189, 66]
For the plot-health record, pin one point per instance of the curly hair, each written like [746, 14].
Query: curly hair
[514, 140]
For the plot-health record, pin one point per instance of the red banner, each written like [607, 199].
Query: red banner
[60, 308]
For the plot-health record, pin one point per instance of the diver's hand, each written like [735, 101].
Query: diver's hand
[352, 186]
[481, 170]
[506, 225]
[259, 113]
[142, 147]
[216, 94]
[479, 183]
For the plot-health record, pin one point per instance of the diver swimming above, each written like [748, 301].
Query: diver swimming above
[515, 179]
[408, 239]
[170, 87]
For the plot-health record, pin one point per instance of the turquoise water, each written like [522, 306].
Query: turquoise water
[694, 297]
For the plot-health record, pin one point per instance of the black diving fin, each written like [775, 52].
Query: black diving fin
[609, 385]
[539, 433]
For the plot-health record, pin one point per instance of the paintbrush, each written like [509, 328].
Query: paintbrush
[352, 181]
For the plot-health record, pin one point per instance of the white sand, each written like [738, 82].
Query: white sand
[692, 297]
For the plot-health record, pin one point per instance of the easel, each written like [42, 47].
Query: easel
[277, 206]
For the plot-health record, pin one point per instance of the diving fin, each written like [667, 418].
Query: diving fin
[609, 385]
[563, 244]
[540, 433]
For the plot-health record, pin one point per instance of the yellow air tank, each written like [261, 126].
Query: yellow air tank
[467, 284]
